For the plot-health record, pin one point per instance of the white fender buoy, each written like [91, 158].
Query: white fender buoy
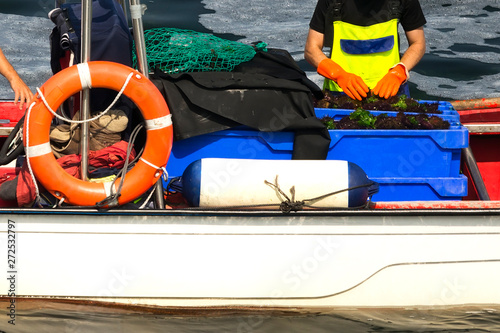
[219, 182]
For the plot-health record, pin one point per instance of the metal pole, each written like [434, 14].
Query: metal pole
[136, 11]
[85, 96]
[478, 181]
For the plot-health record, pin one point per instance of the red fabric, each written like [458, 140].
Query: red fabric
[25, 190]
[110, 157]
[175, 200]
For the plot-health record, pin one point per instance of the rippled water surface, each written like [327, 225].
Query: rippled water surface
[463, 38]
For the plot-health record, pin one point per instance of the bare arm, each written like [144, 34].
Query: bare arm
[313, 52]
[416, 48]
[391, 82]
[22, 92]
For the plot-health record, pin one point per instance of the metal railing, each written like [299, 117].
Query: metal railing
[85, 96]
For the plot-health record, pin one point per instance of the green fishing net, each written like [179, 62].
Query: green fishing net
[180, 51]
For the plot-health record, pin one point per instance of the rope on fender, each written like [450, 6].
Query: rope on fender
[289, 205]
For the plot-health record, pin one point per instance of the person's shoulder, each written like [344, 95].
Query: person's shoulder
[410, 4]
[412, 16]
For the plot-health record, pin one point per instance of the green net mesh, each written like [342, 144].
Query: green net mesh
[180, 51]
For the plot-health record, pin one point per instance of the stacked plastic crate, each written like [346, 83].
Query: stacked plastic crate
[408, 164]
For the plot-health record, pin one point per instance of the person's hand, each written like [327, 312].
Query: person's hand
[22, 92]
[389, 85]
[351, 84]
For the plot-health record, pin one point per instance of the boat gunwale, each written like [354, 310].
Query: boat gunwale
[255, 213]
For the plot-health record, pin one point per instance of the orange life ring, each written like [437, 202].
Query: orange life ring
[98, 74]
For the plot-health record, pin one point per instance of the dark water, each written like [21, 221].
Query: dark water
[453, 61]
[182, 14]
[463, 36]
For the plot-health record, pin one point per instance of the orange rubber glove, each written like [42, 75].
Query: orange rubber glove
[389, 85]
[351, 84]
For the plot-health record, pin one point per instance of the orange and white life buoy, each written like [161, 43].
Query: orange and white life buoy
[98, 74]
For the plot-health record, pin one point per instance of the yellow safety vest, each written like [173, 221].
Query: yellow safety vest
[368, 51]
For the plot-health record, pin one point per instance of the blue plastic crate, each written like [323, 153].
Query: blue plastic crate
[337, 114]
[233, 143]
[399, 153]
[445, 107]
[420, 189]
[448, 112]
[381, 153]
[403, 155]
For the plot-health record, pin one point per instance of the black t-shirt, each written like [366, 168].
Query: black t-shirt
[368, 12]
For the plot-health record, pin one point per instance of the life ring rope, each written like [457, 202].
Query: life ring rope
[84, 86]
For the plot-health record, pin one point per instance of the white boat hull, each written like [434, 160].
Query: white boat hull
[257, 259]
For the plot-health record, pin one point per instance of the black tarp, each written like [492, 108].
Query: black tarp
[268, 93]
